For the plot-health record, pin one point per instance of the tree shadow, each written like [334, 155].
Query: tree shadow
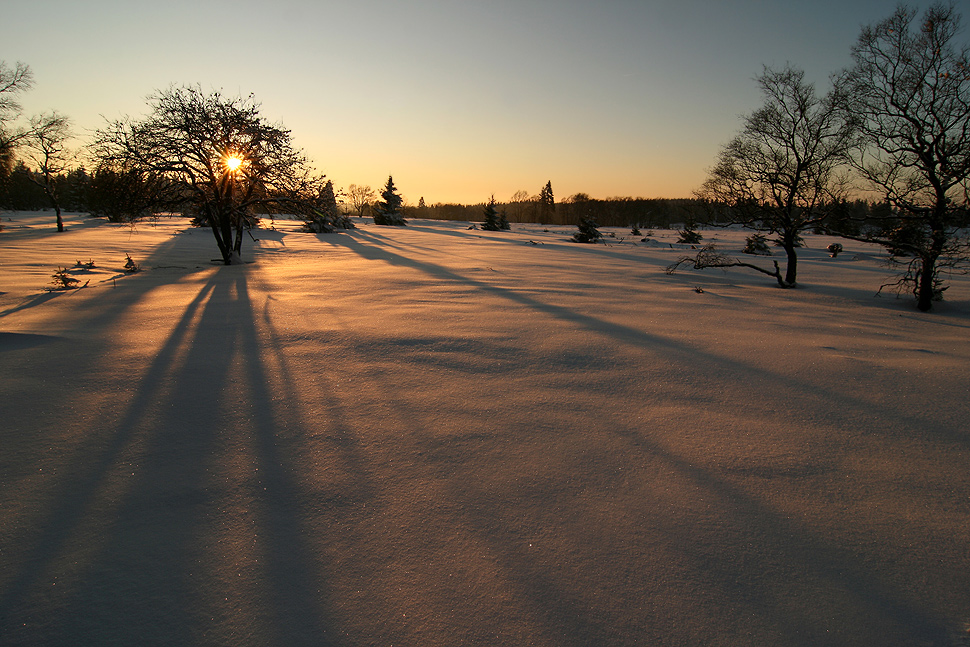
[769, 559]
[154, 516]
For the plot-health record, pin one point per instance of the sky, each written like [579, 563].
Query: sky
[458, 100]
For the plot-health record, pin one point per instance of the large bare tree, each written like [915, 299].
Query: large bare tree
[780, 174]
[217, 156]
[909, 88]
[47, 150]
[13, 81]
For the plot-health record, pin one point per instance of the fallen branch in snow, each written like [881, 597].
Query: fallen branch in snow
[709, 256]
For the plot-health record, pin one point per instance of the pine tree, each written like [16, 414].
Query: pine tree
[492, 222]
[547, 203]
[388, 212]
[588, 232]
[326, 217]
[756, 244]
[689, 235]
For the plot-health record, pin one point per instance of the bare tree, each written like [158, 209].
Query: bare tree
[13, 81]
[909, 88]
[216, 156]
[520, 205]
[781, 173]
[46, 145]
[360, 197]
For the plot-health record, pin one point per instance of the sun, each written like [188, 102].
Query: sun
[233, 162]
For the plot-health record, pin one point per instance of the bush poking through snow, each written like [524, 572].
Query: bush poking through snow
[689, 235]
[834, 249]
[131, 266]
[588, 232]
[61, 280]
[756, 244]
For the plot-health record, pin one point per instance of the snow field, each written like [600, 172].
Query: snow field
[435, 436]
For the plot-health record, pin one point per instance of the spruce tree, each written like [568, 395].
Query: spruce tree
[588, 232]
[689, 235]
[492, 222]
[388, 212]
[547, 203]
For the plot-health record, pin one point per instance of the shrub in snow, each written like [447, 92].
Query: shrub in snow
[61, 280]
[588, 232]
[834, 249]
[689, 235]
[756, 244]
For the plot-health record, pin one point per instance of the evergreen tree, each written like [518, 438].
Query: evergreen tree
[547, 203]
[689, 234]
[388, 211]
[756, 244]
[327, 217]
[492, 222]
[588, 232]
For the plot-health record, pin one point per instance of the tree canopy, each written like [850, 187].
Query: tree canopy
[215, 156]
[909, 94]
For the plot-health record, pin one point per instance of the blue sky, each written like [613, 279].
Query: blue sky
[458, 100]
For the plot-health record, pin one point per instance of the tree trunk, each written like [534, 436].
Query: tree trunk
[222, 239]
[924, 292]
[926, 288]
[791, 269]
[60, 222]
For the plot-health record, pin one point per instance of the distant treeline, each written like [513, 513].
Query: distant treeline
[121, 197]
[847, 217]
[609, 212]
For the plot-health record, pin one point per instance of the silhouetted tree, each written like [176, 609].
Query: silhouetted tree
[216, 156]
[492, 222]
[689, 235]
[326, 217]
[588, 232]
[757, 245]
[13, 81]
[909, 90]
[388, 211]
[547, 203]
[780, 174]
[47, 149]
[360, 197]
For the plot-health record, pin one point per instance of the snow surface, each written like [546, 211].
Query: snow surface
[440, 436]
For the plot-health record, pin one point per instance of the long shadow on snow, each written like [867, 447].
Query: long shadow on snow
[784, 539]
[685, 355]
[519, 241]
[158, 521]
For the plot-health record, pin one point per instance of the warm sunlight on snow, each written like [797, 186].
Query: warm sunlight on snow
[434, 435]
